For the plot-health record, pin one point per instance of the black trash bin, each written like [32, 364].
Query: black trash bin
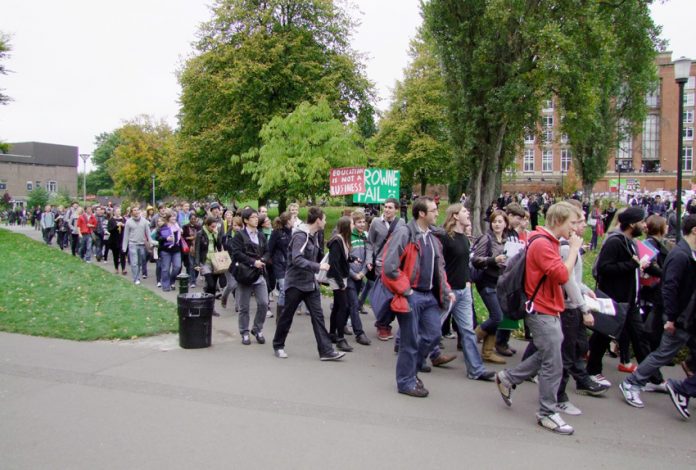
[195, 320]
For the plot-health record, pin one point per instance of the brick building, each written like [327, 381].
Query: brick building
[647, 161]
[32, 164]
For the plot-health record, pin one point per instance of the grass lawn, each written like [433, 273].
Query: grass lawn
[47, 292]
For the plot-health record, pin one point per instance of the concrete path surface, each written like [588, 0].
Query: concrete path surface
[149, 404]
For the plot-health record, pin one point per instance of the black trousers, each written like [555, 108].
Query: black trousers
[211, 281]
[293, 297]
[339, 313]
[74, 243]
[599, 343]
[573, 349]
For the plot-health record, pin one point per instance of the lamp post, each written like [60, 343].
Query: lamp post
[84, 157]
[682, 68]
[153, 190]
[618, 190]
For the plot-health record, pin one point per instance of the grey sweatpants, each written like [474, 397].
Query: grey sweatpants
[546, 362]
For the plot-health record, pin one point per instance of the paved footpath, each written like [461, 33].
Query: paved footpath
[149, 404]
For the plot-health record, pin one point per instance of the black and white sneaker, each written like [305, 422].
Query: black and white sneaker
[681, 402]
[504, 387]
[333, 356]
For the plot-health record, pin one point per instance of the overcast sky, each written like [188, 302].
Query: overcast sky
[82, 67]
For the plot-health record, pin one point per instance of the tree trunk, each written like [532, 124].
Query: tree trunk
[423, 185]
[282, 204]
[587, 189]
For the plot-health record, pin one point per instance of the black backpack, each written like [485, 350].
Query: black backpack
[510, 288]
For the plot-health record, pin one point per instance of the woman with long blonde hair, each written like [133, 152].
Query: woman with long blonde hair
[456, 252]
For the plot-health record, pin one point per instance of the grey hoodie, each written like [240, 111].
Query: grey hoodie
[302, 265]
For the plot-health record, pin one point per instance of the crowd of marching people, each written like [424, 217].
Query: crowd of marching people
[422, 276]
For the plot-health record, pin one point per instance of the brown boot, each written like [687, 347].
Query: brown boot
[488, 351]
[480, 334]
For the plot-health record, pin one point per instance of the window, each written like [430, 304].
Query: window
[690, 83]
[625, 150]
[564, 138]
[688, 158]
[652, 99]
[30, 186]
[651, 138]
[547, 160]
[548, 105]
[565, 160]
[547, 122]
[688, 117]
[548, 136]
[688, 99]
[52, 187]
[688, 133]
[3, 184]
[529, 138]
[37, 184]
[528, 160]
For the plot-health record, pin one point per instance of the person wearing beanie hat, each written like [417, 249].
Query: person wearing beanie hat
[618, 275]
[632, 215]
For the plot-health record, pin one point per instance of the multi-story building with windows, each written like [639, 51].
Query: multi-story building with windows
[29, 165]
[647, 161]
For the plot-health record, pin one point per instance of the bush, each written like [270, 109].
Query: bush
[61, 198]
[37, 197]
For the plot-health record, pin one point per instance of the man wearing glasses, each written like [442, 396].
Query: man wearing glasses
[415, 269]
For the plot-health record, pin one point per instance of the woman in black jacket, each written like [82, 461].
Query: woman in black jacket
[207, 241]
[115, 229]
[278, 252]
[339, 259]
[651, 280]
[249, 258]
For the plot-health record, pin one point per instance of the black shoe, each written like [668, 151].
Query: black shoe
[246, 341]
[363, 339]
[416, 392]
[333, 338]
[590, 387]
[342, 345]
[396, 348]
[332, 356]
[425, 368]
[505, 351]
[260, 338]
[419, 383]
[488, 376]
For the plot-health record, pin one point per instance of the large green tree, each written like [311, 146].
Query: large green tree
[144, 148]
[602, 85]
[105, 145]
[256, 60]
[494, 54]
[299, 151]
[414, 134]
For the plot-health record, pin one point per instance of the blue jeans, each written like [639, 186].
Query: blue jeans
[171, 267]
[670, 345]
[463, 314]
[495, 313]
[367, 287]
[353, 306]
[281, 291]
[136, 255]
[86, 247]
[420, 333]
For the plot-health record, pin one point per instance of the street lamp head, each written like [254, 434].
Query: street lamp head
[682, 68]
[84, 157]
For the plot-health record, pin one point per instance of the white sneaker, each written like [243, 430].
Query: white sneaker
[555, 424]
[568, 408]
[281, 354]
[659, 388]
[269, 314]
[137, 283]
[159, 284]
[631, 394]
[600, 379]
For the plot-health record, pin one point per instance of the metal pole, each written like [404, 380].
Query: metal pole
[84, 157]
[680, 156]
[153, 190]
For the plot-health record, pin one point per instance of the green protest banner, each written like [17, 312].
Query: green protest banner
[380, 184]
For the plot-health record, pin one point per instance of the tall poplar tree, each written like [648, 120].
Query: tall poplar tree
[256, 60]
